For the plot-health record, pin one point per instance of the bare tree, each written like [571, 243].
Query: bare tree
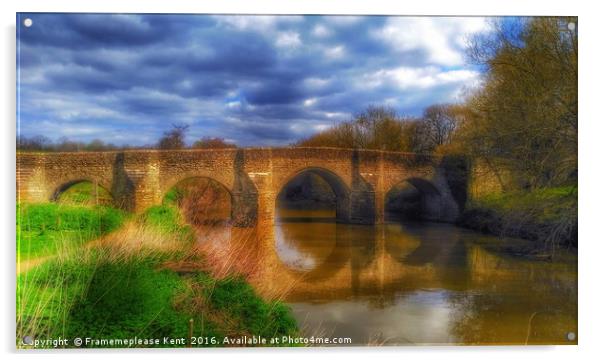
[174, 138]
[439, 123]
[524, 119]
[35, 143]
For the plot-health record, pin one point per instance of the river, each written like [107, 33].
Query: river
[419, 283]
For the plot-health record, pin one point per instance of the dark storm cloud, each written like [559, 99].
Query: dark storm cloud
[254, 80]
[275, 91]
[85, 31]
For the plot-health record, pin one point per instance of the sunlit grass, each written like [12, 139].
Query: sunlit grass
[46, 229]
[145, 279]
[85, 193]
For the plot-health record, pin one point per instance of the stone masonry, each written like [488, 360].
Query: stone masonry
[138, 179]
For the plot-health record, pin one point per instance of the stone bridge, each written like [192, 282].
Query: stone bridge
[138, 179]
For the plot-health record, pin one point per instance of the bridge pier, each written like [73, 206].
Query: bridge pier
[362, 208]
[379, 212]
[244, 209]
[266, 208]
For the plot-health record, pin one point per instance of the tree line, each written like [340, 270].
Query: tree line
[380, 127]
[522, 121]
[171, 139]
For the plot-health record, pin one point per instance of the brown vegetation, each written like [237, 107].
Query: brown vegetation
[203, 201]
[381, 128]
[524, 118]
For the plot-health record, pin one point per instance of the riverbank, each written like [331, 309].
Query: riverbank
[48, 228]
[547, 217]
[142, 278]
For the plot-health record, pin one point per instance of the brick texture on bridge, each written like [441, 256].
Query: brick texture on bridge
[138, 179]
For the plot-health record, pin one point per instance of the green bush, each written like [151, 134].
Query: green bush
[547, 215]
[126, 299]
[173, 196]
[237, 298]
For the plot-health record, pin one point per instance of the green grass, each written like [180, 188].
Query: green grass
[235, 298]
[98, 296]
[44, 229]
[166, 219]
[546, 215]
[547, 205]
[104, 292]
[85, 193]
[128, 298]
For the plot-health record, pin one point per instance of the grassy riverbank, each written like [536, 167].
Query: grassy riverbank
[548, 217]
[145, 279]
[46, 229]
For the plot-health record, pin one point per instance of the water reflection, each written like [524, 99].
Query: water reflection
[319, 235]
[417, 283]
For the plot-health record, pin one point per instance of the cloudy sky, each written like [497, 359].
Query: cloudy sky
[252, 80]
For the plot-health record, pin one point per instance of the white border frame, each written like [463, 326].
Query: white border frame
[589, 200]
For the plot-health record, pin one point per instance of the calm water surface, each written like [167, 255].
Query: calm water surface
[419, 283]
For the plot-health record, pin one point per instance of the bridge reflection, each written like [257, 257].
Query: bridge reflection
[322, 260]
[422, 282]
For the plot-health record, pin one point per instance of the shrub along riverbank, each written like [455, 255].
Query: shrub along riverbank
[131, 283]
[546, 216]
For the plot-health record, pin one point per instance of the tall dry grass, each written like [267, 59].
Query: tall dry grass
[47, 292]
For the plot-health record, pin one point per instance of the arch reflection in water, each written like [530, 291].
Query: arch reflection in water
[325, 258]
[419, 283]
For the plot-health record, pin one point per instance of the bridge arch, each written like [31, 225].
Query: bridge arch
[414, 198]
[202, 199]
[59, 188]
[187, 178]
[242, 195]
[340, 189]
[170, 181]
